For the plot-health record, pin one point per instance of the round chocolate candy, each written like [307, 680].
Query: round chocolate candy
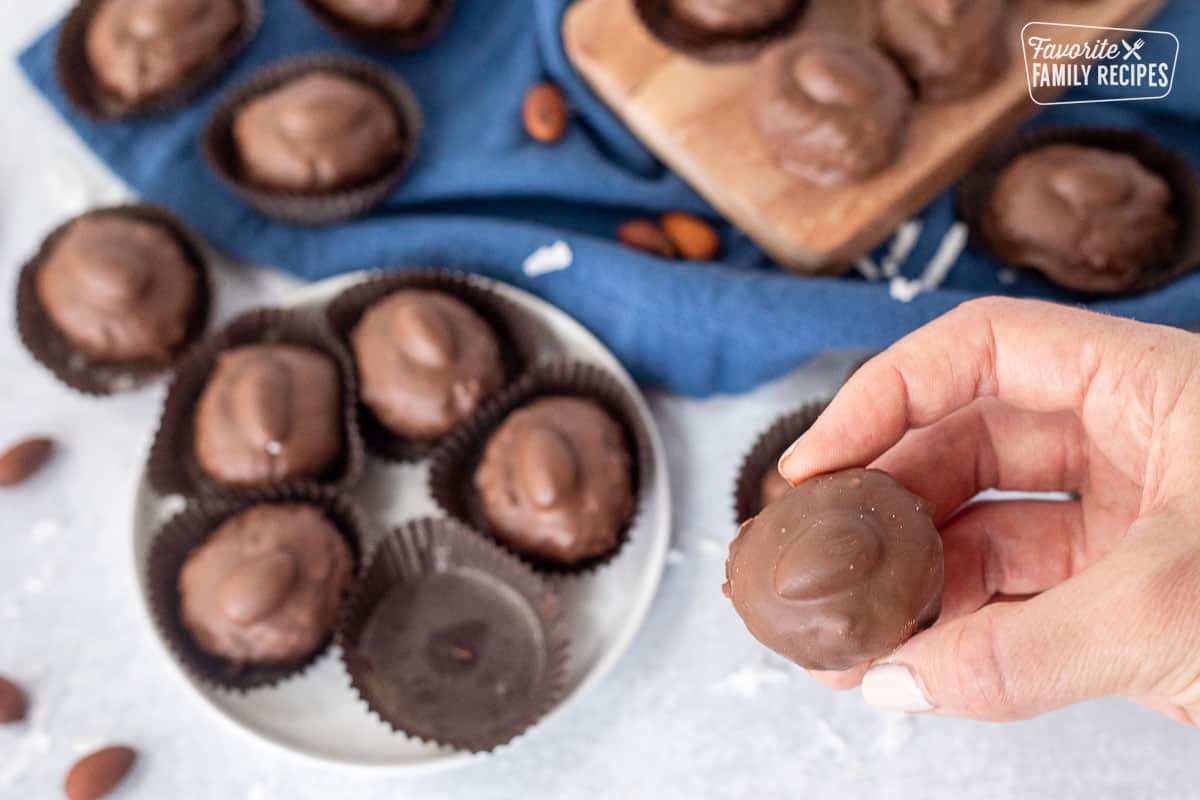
[733, 17]
[382, 14]
[268, 414]
[267, 586]
[839, 571]
[830, 109]
[556, 480]
[951, 48]
[426, 361]
[1089, 218]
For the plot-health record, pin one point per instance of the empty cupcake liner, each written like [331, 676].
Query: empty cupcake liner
[523, 339]
[764, 455]
[86, 94]
[666, 26]
[383, 39]
[312, 208]
[975, 191]
[189, 529]
[172, 467]
[56, 353]
[452, 473]
[472, 647]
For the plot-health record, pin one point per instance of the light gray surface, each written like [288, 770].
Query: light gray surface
[693, 711]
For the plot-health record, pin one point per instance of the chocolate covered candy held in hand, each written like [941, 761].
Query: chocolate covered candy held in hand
[841, 570]
[830, 109]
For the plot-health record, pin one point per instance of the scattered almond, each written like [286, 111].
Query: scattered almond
[642, 234]
[22, 460]
[94, 776]
[13, 704]
[694, 238]
[545, 113]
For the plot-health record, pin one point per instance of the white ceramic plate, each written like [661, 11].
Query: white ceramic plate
[318, 715]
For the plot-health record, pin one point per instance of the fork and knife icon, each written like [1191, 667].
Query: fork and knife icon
[1132, 49]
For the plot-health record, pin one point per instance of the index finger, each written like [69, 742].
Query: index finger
[1031, 354]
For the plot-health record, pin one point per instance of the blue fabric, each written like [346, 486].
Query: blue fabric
[482, 197]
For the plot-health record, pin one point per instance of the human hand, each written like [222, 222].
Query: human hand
[1030, 396]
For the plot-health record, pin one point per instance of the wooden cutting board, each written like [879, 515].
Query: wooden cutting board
[693, 116]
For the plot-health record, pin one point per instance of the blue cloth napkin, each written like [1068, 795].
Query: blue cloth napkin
[483, 197]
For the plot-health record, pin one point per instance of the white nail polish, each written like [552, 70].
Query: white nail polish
[894, 687]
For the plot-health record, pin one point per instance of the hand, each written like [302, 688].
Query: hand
[1030, 396]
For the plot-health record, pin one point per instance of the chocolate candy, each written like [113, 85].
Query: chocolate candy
[841, 570]
[269, 413]
[425, 361]
[385, 14]
[555, 481]
[951, 48]
[736, 17]
[319, 132]
[141, 48]
[119, 289]
[267, 586]
[830, 109]
[1089, 218]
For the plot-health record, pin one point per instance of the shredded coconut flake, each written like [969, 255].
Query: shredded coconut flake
[551, 258]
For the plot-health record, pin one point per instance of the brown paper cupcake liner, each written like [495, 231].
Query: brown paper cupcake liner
[452, 473]
[172, 467]
[312, 208]
[189, 529]
[975, 192]
[764, 455]
[86, 94]
[523, 339]
[381, 39]
[480, 622]
[56, 353]
[662, 22]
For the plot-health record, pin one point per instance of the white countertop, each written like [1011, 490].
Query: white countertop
[694, 710]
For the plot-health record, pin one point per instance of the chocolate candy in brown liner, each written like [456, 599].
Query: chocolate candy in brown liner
[1168, 261]
[720, 30]
[187, 45]
[452, 479]
[451, 640]
[186, 534]
[174, 466]
[1088, 218]
[336, 196]
[758, 480]
[269, 413]
[521, 339]
[950, 48]
[116, 301]
[318, 132]
[841, 570]
[554, 482]
[393, 26]
[829, 109]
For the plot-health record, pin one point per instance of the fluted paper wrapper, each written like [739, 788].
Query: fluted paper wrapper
[191, 528]
[172, 467]
[312, 208]
[523, 339]
[87, 95]
[764, 455]
[452, 474]
[422, 679]
[52, 349]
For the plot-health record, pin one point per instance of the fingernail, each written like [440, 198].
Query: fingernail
[786, 453]
[894, 687]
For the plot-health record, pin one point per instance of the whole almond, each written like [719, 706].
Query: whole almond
[96, 775]
[642, 234]
[545, 113]
[22, 460]
[13, 704]
[695, 239]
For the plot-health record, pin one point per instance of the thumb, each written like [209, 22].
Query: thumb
[1103, 632]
